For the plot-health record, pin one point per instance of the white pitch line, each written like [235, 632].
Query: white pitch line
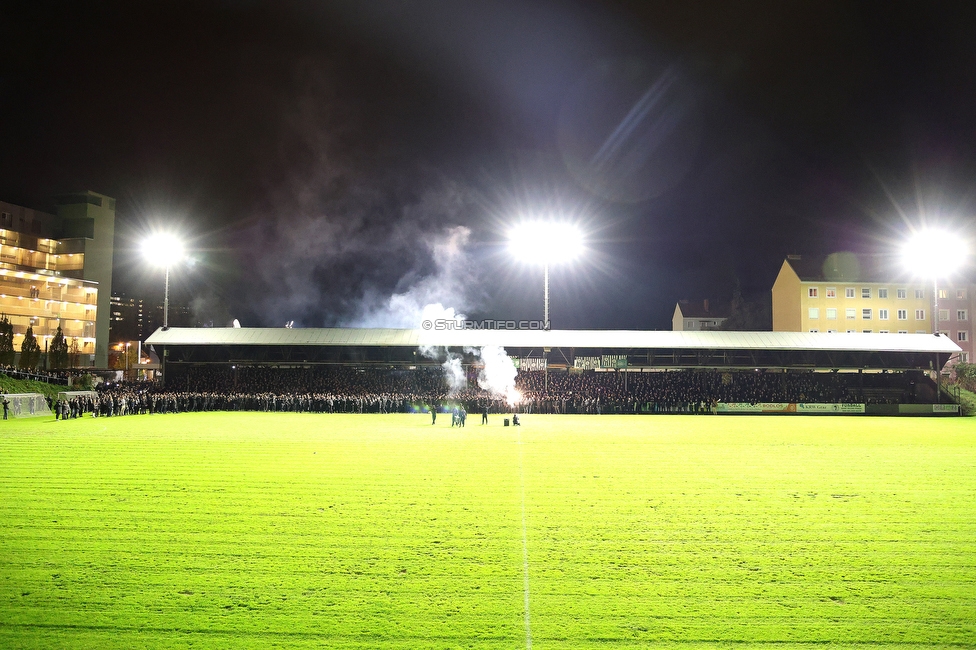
[525, 552]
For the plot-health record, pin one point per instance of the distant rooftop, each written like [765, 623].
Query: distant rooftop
[702, 309]
[851, 267]
[847, 267]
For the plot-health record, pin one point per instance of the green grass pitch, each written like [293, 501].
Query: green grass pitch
[380, 531]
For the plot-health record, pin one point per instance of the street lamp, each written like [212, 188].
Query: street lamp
[547, 242]
[163, 249]
[933, 253]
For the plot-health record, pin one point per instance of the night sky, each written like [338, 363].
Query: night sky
[325, 157]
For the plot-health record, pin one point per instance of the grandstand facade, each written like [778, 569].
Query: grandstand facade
[560, 371]
[559, 349]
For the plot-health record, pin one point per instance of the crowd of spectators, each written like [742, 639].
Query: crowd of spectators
[47, 376]
[344, 389]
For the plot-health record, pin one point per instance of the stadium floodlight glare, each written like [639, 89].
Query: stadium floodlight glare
[548, 243]
[933, 253]
[165, 250]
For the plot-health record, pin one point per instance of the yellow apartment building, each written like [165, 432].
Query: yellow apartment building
[844, 292]
[57, 270]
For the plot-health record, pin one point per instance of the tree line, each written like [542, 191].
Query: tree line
[30, 349]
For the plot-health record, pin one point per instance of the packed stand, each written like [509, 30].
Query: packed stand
[343, 389]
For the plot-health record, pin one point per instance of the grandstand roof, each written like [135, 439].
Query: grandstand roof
[604, 339]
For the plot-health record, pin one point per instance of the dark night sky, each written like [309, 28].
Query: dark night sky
[322, 156]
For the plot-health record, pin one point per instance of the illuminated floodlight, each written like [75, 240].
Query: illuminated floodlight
[163, 249]
[545, 242]
[933, 253]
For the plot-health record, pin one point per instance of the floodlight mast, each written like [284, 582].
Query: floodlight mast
[545, 300]
[163, 249]
[166, 301]
[934, 252]
[564, 244]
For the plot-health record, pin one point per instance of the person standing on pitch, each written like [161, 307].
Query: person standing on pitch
[433, 414]
[6, 406]
[462, 417]
[484, 415]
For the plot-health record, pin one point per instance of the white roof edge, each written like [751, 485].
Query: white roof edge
[620, 339]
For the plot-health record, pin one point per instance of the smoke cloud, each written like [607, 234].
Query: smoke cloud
[424, 298]
[498, 373]
[352, 234]
[454, 373]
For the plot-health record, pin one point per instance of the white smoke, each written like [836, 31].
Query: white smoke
[454, 374]
[497, 375]
[425, 298]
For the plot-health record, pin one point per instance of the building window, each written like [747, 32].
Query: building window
[831, 313]
[960, 294]
[902, 294]
[883, 332]
[865, 292]
[852, 331]
[866, 314]
[921, 332]
[831, 292]
[865, 331]
[919, 294]
[943, 294]
[883, 314]
[964, 357]
[831, 331]
[814, 331]
[883, 293]
[903, 331]
[813, 313]
[962, 314]
[902, 314]
[812, 292]
[851, 313]
[962, 335]
[919, 314]
[849, 292]
[943, 314]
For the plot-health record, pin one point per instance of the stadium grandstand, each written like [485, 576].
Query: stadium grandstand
[559, 371]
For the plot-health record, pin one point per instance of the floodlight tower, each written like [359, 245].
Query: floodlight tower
[165, 250]
[546, 242]
[932, 253]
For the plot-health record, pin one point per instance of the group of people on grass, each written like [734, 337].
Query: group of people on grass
[345, 389]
